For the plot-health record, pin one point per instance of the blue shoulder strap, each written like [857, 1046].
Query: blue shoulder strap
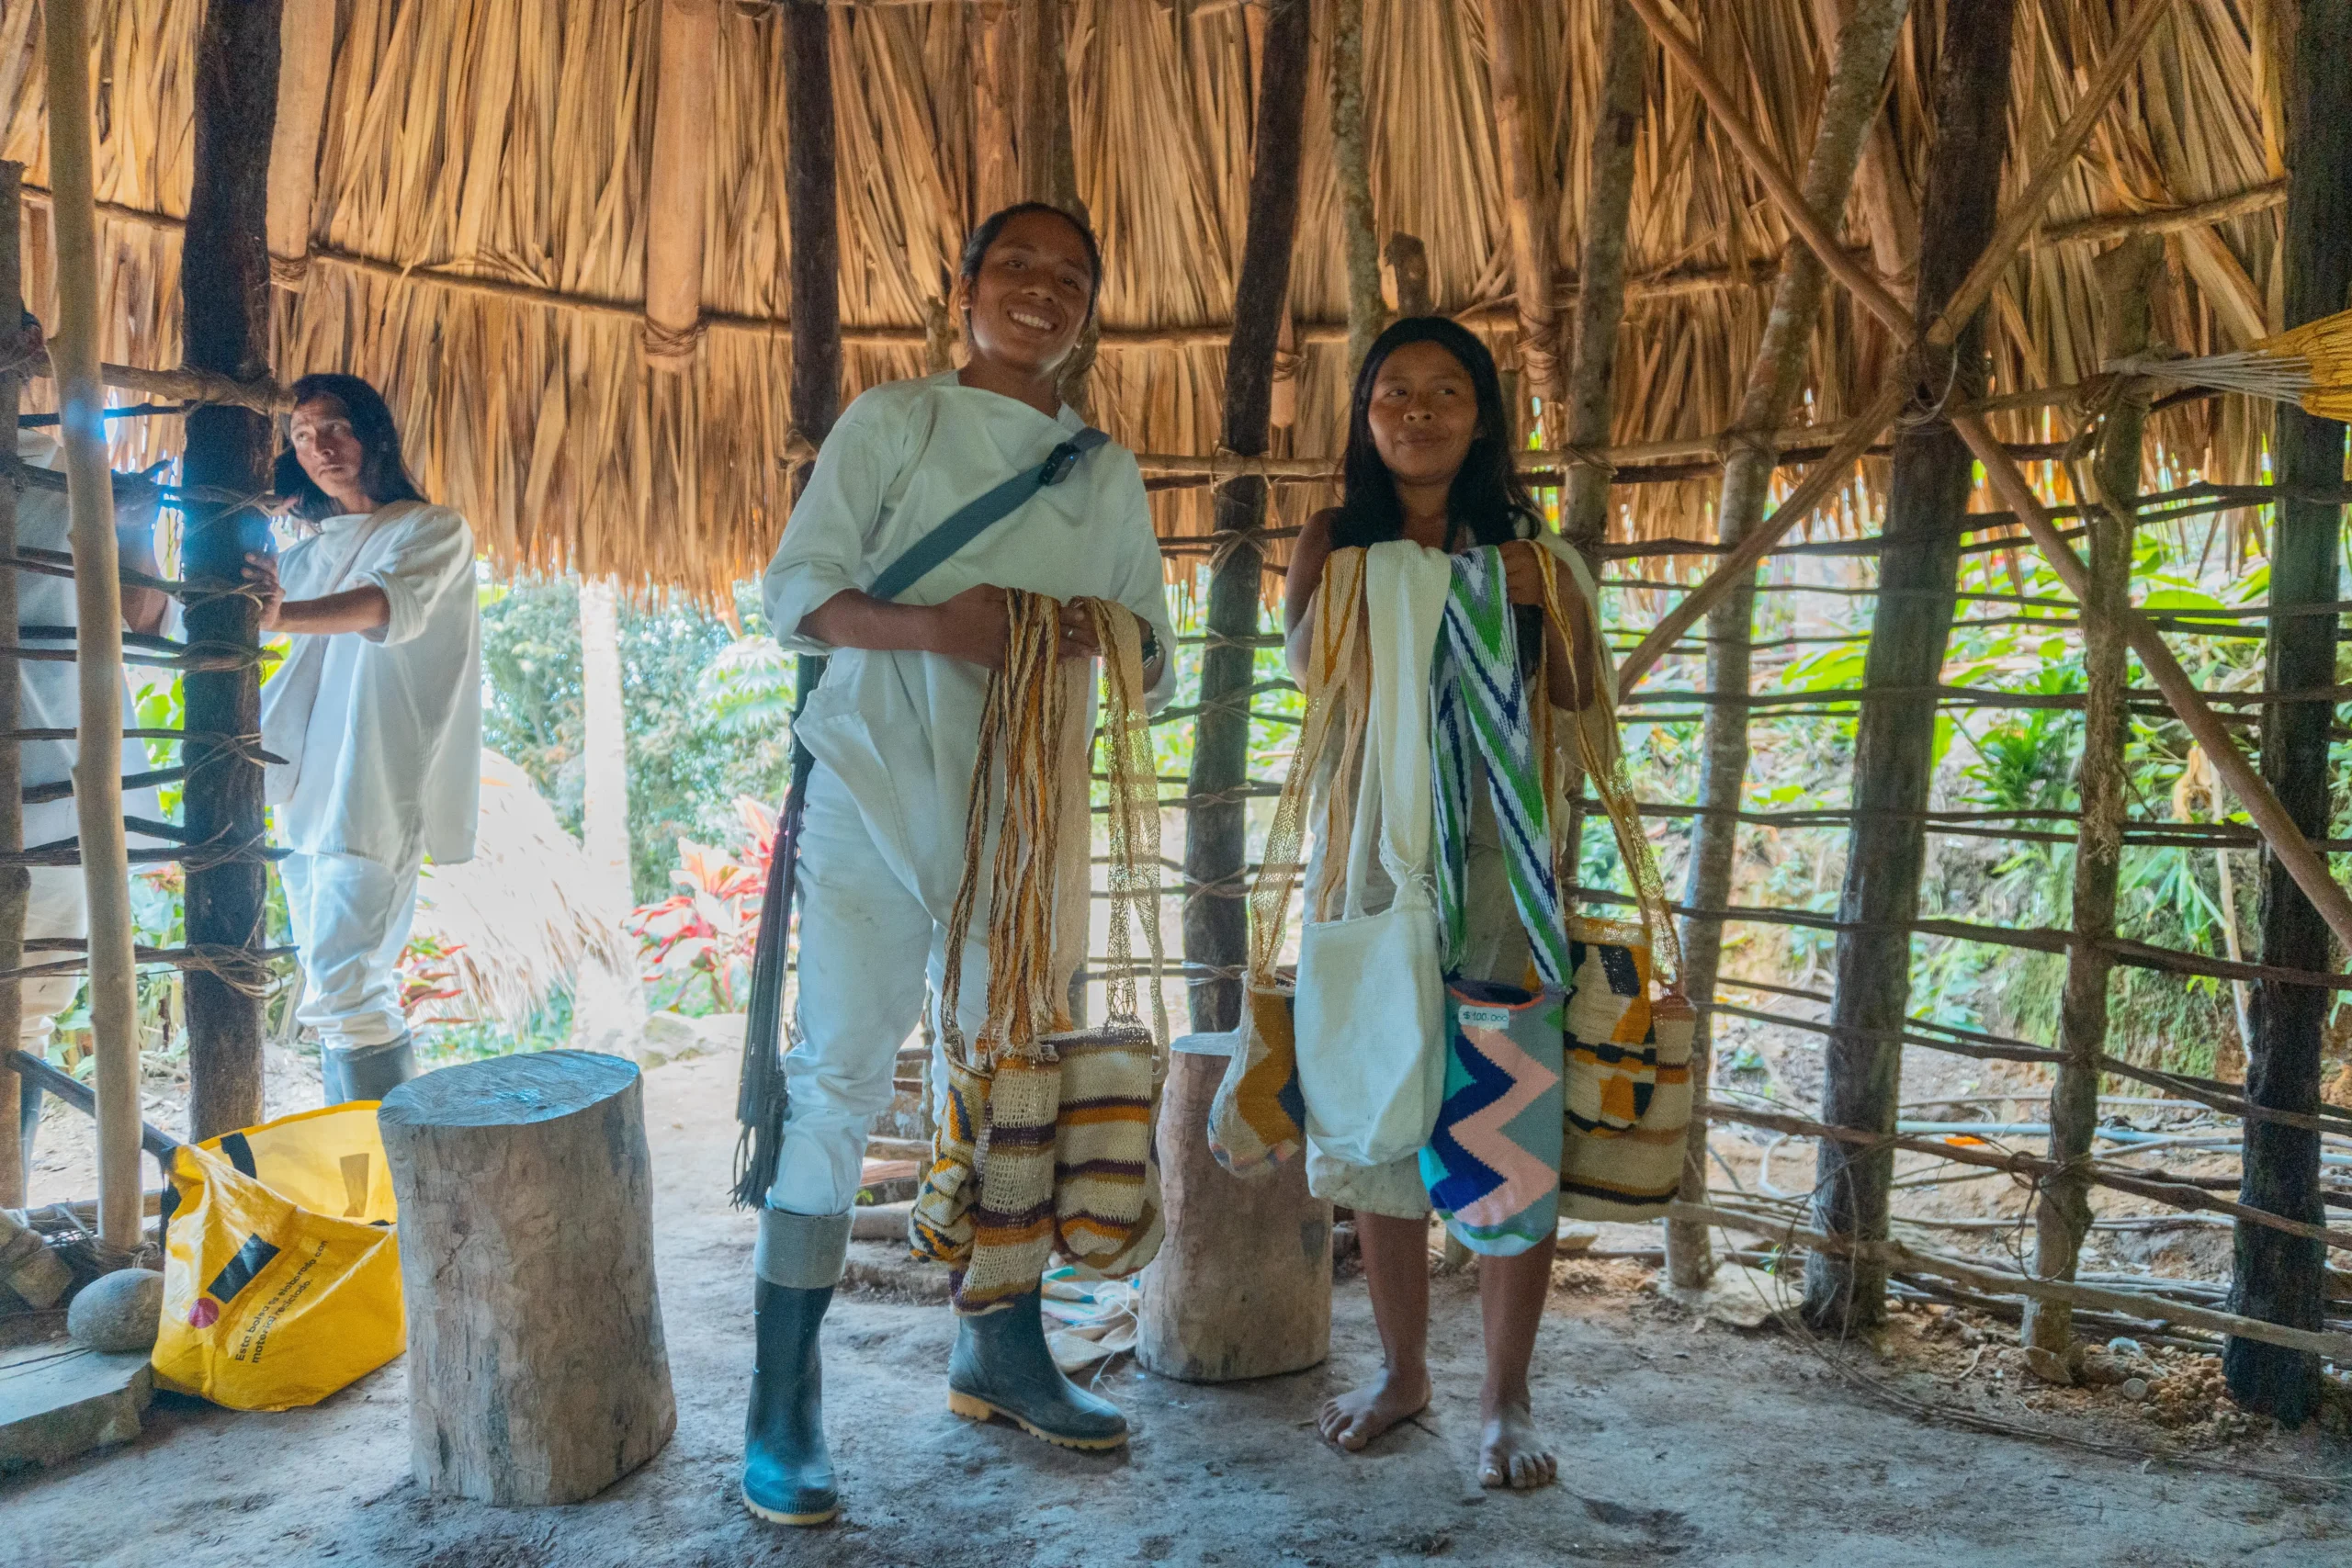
[975, 516]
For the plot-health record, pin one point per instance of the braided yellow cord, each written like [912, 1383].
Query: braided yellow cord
[1022, 720]
[1593, 732]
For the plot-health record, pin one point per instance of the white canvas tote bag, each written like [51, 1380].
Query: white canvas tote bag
[1371, 1010]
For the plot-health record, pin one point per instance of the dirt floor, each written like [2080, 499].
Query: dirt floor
[1680, 1441]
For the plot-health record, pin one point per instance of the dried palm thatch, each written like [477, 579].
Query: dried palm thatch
[521, 917]
[479, 230]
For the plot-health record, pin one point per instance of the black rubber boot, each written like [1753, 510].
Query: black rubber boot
[1001, 1367]
[367, 1072]
[787, 1473]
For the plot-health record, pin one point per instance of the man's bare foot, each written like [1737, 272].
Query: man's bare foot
[1511, 1452]
[1352, 1419]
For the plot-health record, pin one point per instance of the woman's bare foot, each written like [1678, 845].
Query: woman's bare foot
[1511, 1452]
[1352, 1419]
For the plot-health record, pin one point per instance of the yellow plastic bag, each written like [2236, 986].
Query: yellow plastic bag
[282, 1275]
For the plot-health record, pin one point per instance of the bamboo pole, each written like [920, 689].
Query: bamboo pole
[97, 795]
[1527, 202]
[305, 73]
[1215, 857]
[1350, 154]
[1894, 735]
[2275, 1279]
[225, 291]
[1856, 77]
[15, 880]
[676, 178]
[1600, 300]
[1882, 188]
[2126, 276]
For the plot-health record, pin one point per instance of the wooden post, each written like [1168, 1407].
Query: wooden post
[2064, 1217]
[1242, 1288]
[225, 283]
[97, 603]
[537, 1370]
[305, 72]
[1527, 212]
[15, 882]
[812, 218]
[1405, 263]
[2278, 1278]
[1281, 404]
[1600, 275]
[1351, 153]
[1215, 919]
[675, 193]
[1857, 78]
[1918, 575]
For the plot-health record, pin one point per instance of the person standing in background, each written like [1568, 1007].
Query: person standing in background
[376, 713]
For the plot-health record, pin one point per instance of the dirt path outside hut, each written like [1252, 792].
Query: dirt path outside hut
[1680, 1441]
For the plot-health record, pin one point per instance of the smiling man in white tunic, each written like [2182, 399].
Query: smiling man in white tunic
[895, 729]
[376, 713]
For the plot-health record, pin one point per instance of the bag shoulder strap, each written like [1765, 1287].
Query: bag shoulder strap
[975, 517]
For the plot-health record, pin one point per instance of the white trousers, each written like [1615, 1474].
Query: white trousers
[58, 907]
[351, 920]
[868, 949]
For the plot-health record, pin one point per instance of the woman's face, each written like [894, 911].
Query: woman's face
[1030, 301]
[328, 449]
[1424, 413]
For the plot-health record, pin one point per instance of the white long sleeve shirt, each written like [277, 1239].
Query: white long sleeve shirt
[381, 729]
[902, 729]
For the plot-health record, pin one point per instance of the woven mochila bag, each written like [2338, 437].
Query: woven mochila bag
[1258, 1117]
[1046, 1142]
[1626, 1081]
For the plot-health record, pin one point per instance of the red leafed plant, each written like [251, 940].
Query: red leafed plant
[428, 978]
[705, 932]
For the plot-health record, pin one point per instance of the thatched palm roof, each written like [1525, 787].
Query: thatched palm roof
[478, 236]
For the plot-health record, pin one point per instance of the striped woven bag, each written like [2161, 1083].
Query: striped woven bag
[1626, 1078]
[1106, 1171]
[1258, 1118]
[1046, 1141]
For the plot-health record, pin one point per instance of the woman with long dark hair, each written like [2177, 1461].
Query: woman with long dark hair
[375, 713]
[895, 729]
[1429, 460]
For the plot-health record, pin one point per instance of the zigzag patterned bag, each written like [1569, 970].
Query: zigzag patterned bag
[1493, 1163]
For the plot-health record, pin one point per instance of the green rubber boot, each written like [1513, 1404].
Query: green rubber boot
[788, 1469]
[1001, 1367]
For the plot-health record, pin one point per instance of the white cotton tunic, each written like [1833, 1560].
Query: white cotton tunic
[901, 729]
[386, 764]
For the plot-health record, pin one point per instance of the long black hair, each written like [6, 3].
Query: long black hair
[383, 473]
[1487, 500]
[975, 248]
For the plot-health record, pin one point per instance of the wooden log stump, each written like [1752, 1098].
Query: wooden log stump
[535, 1368]
[1242, 1286]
